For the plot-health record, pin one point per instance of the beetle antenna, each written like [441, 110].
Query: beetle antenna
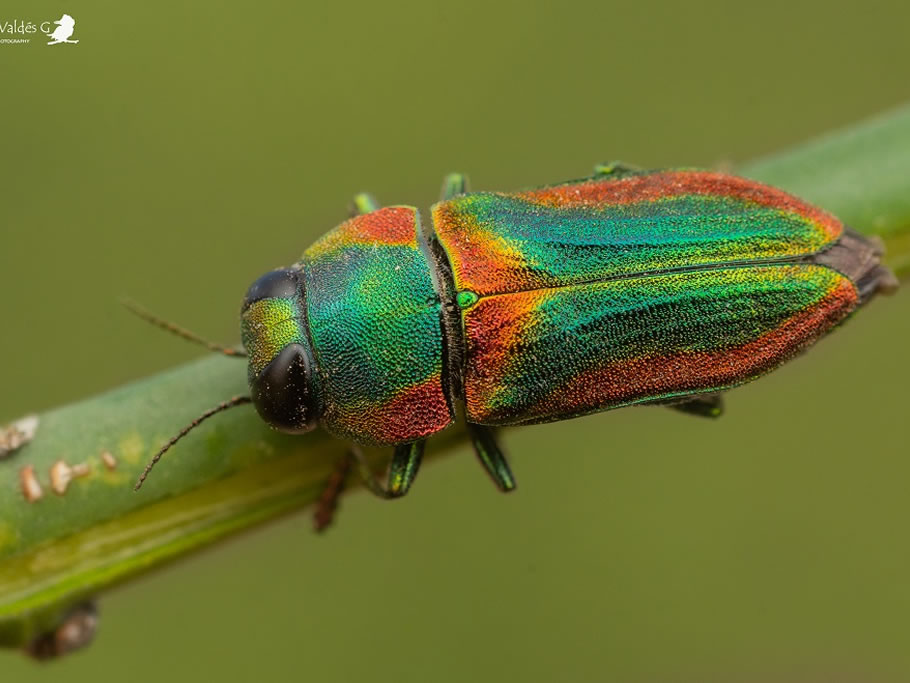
[150, 317]
[231, 403]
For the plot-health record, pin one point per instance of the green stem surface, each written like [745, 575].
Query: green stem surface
[234, 473]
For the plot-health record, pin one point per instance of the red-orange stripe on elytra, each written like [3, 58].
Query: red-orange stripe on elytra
[482, 256]
[666, 184]
[490, 332]
[635, 379]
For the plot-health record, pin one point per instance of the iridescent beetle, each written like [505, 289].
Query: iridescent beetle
[629, 287]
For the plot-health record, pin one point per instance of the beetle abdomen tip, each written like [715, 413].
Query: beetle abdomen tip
[859, 258]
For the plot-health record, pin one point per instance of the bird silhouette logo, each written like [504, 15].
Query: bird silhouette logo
[64, 30]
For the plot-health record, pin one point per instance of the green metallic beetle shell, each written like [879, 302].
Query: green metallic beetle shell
[634, 288]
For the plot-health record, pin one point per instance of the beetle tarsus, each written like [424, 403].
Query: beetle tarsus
[403, 469]
[363, 203]
[491, 456]
[711, 405]
[614, 168]
[453, 185]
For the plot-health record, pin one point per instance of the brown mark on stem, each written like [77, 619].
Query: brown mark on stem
[15, 435]
[31, 487]
[109, 460]
[62, 474]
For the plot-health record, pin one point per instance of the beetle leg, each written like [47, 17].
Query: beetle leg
[404, 466]
[327, 504]
[709, 405]
[491, 456]
[614, 168]
[363, 203]
[402, 470]
[453, 185]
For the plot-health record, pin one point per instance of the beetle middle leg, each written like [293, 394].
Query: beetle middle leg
[614, 168]
[709, 405]
[491, 457]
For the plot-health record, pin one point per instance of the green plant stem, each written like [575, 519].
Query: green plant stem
[235, 473]
[861, 174]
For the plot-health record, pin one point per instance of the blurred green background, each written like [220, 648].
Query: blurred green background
[181, 149]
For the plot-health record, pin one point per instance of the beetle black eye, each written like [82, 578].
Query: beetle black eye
[274, 285]
[283, 392]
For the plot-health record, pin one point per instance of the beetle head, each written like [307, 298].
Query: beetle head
[281, 366]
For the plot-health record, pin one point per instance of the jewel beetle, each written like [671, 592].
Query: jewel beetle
[625, 288]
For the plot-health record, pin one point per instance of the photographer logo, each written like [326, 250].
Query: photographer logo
[64, 30]
[19, 31]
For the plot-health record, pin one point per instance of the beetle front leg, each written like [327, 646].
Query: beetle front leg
[710, 405]
[327, 504]
[491, 456]
[453, 185]
[402, 470]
